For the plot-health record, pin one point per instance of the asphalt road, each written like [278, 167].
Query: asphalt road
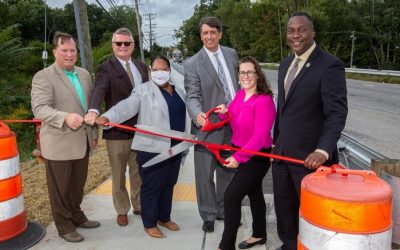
[374, 114]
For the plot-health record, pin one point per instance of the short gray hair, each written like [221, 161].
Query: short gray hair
[123, 31]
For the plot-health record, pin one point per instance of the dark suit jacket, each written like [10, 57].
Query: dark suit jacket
[112, 86]
[314, 114]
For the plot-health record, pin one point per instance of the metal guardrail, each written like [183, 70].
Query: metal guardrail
[355, 155]
[374, 72]
[357, 71]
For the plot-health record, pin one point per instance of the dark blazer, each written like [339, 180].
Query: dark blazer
[112, 86]
[314, 114]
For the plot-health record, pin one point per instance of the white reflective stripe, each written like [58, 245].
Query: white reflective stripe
[9, 168]
[11, 208]
[315, 238]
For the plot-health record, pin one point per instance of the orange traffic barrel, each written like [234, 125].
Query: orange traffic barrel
[345, 209]
[15, 231]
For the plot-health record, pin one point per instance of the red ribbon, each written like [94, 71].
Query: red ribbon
[214, 148]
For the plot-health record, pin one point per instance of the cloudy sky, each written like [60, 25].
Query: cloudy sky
[169, 15]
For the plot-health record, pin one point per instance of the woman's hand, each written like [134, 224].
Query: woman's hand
[221, 109]
[232, 163]
[102, 120]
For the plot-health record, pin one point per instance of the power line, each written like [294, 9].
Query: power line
[112, 18]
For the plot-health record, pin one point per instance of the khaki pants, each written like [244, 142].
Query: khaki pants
[120, 155]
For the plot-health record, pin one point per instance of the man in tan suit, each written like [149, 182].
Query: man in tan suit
[60, 94]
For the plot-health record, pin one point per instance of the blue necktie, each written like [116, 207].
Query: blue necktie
[224, 82]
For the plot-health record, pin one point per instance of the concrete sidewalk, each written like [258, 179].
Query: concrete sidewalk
[98, 206]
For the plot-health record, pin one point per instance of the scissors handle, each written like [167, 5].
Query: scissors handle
[215, 149]
[209, 126]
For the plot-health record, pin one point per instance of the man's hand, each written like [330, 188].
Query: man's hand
[201, 119]
[232, 163]
[102, 120]
[221, 109]
[74, 120]
[90, 117]
[314, 160]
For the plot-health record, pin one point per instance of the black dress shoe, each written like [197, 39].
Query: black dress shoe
[245, 245]
[208, 226]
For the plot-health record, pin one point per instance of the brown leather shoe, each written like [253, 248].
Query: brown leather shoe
[154, 232]
[122, 220]
[73, 236]
[137, 212]
[170, 225]
[89, 224]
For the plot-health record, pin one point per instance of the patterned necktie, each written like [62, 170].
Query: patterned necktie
[128, 70]
[291, 76]
[222, 78]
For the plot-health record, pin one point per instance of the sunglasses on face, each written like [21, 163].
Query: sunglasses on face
[119, 44]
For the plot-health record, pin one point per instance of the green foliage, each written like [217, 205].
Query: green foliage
[258, 29]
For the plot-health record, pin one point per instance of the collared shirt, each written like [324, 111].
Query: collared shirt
[226, 70]
[74, 79]
[303, 58]
[137, 77]
[135, 71]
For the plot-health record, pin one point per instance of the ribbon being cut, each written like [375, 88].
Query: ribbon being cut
[188, 140]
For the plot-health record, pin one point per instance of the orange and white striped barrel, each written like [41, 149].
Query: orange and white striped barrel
[12, 212]
[345, 209]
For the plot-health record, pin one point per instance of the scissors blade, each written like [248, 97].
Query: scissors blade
[178, 148]
[167, 132]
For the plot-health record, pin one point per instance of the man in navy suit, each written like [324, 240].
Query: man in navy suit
[312, 111]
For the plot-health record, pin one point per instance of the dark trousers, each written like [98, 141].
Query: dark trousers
[65, 184]
[286, 185]
[158, 183]
[246, 181]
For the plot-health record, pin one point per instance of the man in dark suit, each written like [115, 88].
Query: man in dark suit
[210, 80]
[115, 81]
[312, 111]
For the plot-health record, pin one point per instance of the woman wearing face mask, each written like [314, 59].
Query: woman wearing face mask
[155, 102]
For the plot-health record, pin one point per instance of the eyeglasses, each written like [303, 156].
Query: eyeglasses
[119, 44]
[247, 73]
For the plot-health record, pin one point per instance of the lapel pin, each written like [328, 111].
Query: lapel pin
[308, 65]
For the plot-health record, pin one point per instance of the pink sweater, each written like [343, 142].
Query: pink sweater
[251, 123]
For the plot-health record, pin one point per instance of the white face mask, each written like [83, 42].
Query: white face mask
[160, 76]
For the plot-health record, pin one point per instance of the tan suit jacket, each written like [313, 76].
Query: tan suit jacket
[53, 97]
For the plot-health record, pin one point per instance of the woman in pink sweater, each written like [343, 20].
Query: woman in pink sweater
[253, 114]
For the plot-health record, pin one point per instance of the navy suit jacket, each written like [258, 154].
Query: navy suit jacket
[113, 85]
[314, 113]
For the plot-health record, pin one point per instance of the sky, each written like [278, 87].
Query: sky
[169, 15]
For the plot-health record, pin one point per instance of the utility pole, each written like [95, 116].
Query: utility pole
[139, 27]
[82, 27]
[353, 38]
[44, 52]
[151, 25]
